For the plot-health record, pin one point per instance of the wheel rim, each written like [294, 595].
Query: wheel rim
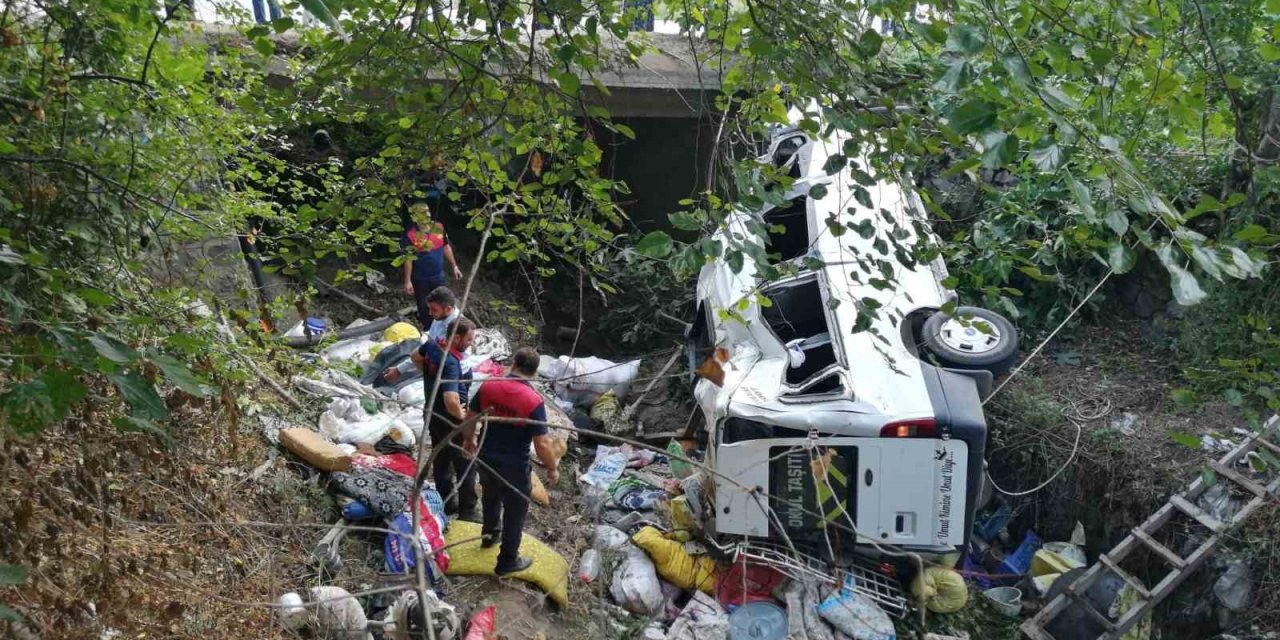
[979, 336]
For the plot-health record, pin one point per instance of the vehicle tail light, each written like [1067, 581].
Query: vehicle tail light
[922, 428]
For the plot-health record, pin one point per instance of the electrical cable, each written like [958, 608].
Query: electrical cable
[1074, 449]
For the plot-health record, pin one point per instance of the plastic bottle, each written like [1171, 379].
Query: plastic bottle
[589, 565]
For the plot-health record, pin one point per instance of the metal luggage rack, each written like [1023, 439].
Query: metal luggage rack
[868, 579]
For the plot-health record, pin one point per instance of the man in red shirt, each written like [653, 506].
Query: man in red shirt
[504, 454]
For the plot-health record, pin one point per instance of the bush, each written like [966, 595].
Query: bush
[1229, 346]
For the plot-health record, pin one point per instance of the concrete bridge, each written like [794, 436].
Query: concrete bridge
[666, 96]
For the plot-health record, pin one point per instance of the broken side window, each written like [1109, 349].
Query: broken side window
[789, 229]
[798, 318]
[787, 152]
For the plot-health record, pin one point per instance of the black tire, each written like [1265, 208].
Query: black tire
[949, 352]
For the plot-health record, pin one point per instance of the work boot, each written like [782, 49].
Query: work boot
[487, 540]
[521, 563]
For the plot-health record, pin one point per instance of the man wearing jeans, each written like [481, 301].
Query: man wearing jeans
[504, 456]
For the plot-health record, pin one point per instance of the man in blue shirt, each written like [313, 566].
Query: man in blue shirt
[429, 253]
[452, 462]
[504, 453]
[440, 305]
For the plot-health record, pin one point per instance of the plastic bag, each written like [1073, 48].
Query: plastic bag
[399, 547]
[856, 616]
[813, 624]
[358, 350]
[609, 538]
[608, 466]
[583, 380]
[1234, 587]
[680, 466]
[942, 589]
[414, 395]
[701, 619]
[635, 585]
[345, 420]
[400, 332]
[606, 412]
[1069, 552]
[482, 625]
[1045, 562]
[335, 614]
[674, 564]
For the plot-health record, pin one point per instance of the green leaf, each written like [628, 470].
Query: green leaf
[972, 116]
[140, 395]
[1185, 439]
[1256, 463]
[1047, 157]
[320, 10]
[95, 297]
[1101, 55]
[1186, 290]
[998, 149]
[282, 25]
[870, 42]
[569, 83]
[112, 348]
[863, 197]
[965, 39]
[1233, 397]
[735, 260]
[1017, 68]
[7, 147]
[818, 191]
[1034, 272]
[64, 389]
[1059, 100]
[655, 244]
[1269, 51]
[8, 615]
[957, 76]
[1120, 257]
[12, 575]
[834, 164]
[1116, 219]
[1251, 233]
[142, 425]
[760, 45]
[181, 376]
[684, 221]
[405, 122]
[1084, 199]
[264, 46]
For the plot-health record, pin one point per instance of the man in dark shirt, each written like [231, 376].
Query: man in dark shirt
[452, 462]
[424, 266]
[504, 474]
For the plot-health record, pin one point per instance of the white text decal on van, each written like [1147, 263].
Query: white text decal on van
[947, 469]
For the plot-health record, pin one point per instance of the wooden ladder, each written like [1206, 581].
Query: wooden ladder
[1144, 535]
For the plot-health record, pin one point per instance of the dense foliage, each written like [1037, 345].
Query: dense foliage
[1056, 142]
